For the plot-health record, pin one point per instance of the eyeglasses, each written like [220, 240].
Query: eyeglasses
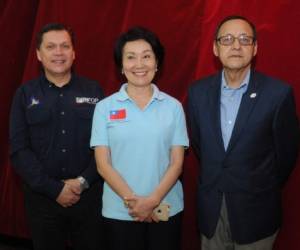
[229, 39]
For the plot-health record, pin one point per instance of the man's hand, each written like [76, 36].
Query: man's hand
[68, 196]
[75, 185]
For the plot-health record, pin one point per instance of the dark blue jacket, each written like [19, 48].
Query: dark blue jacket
[261, 154]
[50, 131]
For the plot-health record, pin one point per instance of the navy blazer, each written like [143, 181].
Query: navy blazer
[260, 156]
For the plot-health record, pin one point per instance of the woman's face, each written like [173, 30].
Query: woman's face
[139, 63]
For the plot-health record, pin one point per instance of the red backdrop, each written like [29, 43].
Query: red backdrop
[186, 29]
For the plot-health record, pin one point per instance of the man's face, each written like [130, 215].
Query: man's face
[56, 53]
[235, 56]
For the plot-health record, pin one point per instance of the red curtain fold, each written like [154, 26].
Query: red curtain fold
[186, 29]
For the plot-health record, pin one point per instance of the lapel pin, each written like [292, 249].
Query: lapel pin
[253, 95]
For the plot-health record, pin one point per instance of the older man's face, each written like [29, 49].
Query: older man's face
[235, 56]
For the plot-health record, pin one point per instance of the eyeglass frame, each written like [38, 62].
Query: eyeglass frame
[238, 38]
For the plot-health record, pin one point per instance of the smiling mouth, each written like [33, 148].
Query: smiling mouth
[58, 61]
[140, 73]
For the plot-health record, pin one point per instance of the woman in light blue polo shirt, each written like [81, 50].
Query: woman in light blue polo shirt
[139, 134]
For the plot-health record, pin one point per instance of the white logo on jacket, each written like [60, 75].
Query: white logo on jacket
[89, 100]
[34, 102]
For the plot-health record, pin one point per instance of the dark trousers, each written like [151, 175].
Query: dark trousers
[53, 226]
[130, 235]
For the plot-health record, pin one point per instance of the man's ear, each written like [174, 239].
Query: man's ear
[255, 49]
[215, 49]
[38, 55]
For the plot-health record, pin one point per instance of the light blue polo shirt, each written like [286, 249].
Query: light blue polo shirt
[140, 142]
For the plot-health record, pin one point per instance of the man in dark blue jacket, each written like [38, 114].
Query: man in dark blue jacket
[50, 128]
[245, 132]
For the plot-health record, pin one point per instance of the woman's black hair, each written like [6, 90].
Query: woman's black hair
[138, 33]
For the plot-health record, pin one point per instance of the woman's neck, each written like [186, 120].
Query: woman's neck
[140, 95]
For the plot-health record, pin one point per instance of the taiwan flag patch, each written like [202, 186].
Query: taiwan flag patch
[117, 114]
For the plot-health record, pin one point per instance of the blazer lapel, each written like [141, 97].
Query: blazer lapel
[214, 103]
[247, 104]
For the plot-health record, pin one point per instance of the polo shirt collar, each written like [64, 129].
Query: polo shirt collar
[156, 93]
[52, 85]
[123, 96]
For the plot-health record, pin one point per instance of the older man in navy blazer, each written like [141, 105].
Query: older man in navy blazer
[245, 131]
